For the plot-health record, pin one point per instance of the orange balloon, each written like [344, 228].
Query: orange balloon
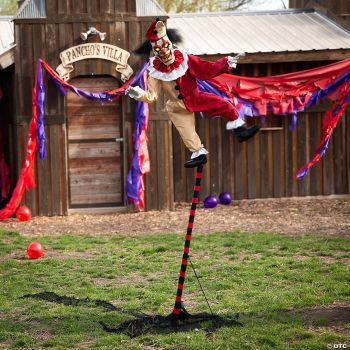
[35, 250]
[23, 213]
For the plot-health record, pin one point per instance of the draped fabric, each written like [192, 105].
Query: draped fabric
[36, 130]
[140, 163]
[288, 94]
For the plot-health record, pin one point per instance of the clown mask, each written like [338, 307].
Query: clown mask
[163, 49]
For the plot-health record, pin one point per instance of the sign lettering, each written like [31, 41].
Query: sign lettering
[94, 50]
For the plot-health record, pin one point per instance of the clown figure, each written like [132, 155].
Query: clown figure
[176, 72]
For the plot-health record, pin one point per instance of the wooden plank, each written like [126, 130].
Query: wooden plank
[94, 199]
[152, 178]
[96, 132]
[52, 8]
[264, 164]
[216, 158]
[93, 150]
[43, 186]
[178, 168]
[96, 166]
[203, 130]
[239, 181]
[55, 169]
[169, 172]
[339, 157]
[27, 62]
[161, 164]
[91, 179]
[277, 178]
[303, 152]
[315, 173]
[63, 169]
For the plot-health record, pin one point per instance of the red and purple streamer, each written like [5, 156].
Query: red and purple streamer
[289, 94]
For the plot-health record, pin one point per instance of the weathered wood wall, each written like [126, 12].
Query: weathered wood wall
[264, 167]
[46, 38]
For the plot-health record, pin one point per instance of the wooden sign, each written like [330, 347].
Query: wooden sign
[94, 50]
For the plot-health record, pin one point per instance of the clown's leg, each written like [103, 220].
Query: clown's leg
[184, 122]
[216, 106]
[241, 132]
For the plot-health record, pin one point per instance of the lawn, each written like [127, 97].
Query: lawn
[279, 285]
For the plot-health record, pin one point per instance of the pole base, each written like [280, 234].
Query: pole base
[179, 314]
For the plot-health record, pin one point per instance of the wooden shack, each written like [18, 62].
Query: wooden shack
[89, 145]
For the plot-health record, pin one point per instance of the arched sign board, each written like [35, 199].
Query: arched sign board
[94, 50]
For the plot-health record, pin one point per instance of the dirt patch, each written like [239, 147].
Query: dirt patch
[321, 216]
[335, 317]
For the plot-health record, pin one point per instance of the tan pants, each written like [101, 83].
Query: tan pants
[184, 122]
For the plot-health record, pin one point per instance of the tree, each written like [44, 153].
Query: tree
[8, 7]
[202, 5]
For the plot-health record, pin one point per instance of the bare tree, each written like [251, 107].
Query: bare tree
[202, 5]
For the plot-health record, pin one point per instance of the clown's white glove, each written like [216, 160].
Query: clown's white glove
[232, 60]
[134, 92]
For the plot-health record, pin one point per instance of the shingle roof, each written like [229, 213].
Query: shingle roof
[258, 32]
[7, 42]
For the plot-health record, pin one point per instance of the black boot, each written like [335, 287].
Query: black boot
[244, 134]
[192, 163]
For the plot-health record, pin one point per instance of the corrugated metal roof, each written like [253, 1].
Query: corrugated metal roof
[149, 8]
[32, 9]
[254, 32]
[7, 42]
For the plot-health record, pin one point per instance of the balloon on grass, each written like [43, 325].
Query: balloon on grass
[35, 250]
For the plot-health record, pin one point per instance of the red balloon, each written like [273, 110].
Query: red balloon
[35, 250]
[23, 213]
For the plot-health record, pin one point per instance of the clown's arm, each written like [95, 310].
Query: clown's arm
[205, 70]
[149, 96]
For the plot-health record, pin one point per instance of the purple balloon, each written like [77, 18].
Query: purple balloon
[210, 202]
[225, 198]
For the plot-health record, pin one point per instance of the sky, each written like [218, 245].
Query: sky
[262, 5]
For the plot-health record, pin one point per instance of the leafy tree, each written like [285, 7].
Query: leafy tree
[202, 5]
[8, 7]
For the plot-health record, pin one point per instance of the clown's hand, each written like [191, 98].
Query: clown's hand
[134, 92]
[232, 60]
[161, 29]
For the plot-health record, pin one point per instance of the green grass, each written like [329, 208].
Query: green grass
[262, 276]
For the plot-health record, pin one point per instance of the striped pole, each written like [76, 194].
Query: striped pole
[178, 305]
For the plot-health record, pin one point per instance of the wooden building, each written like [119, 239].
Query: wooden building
[85, 167]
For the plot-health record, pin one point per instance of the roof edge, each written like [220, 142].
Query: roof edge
[241, 13]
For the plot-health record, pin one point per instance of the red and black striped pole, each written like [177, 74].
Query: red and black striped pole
[178, 308]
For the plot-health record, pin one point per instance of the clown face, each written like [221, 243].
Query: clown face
[163, 48]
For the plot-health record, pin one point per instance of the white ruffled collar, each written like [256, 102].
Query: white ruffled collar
[169, 76]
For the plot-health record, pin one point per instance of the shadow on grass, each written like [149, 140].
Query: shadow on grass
[143, 323]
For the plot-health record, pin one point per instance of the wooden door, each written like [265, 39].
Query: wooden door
[95, 156]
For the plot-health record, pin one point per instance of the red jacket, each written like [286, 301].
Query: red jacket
[194, 99]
